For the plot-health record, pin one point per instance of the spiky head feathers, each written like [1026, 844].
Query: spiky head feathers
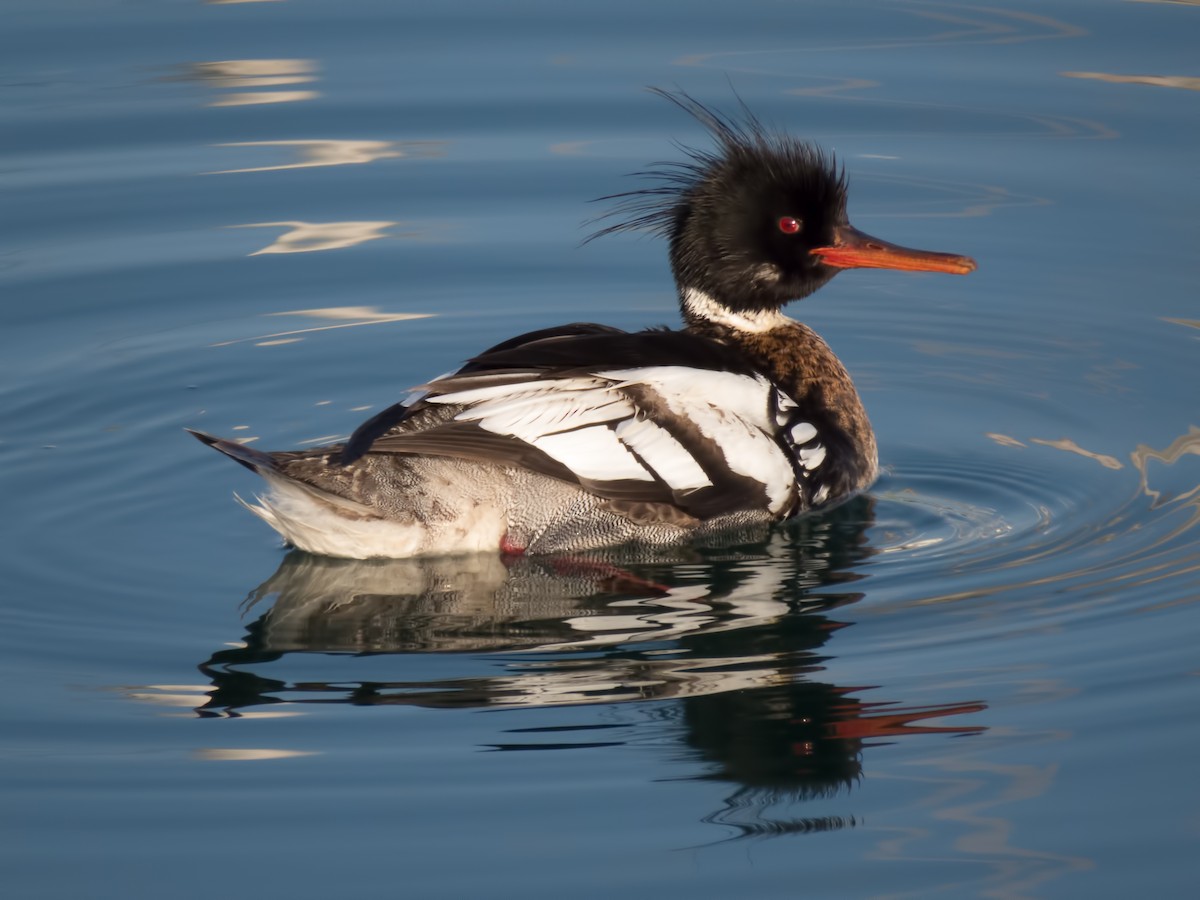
[740, 216]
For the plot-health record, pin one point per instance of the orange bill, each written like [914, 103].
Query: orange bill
[854, 250]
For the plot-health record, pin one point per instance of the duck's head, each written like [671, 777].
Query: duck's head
[758, 221]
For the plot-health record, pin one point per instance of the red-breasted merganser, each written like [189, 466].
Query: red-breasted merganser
[584, 435]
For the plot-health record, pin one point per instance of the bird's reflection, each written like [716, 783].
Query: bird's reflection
[796, 742]
[734, 636]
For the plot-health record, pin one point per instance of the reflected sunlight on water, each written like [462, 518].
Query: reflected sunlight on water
[239, 754]
[315, 153]
[234, 74]
[307, 237]
[343, 316]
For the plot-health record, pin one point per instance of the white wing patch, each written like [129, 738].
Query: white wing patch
[595, 453]
[538, 414]
[730, 409]
[568, 419]
[592, 426]
[745, 396]
[663, 454]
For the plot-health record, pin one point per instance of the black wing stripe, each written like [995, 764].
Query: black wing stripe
[729, 491]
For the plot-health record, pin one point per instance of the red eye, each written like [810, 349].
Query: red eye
[789, 225]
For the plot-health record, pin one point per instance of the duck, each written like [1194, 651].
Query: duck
[585, 436]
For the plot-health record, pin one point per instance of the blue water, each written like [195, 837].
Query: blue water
[269, 219]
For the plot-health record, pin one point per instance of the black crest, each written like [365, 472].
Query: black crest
[743, 144]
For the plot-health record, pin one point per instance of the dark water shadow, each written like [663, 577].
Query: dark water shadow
[735, 638]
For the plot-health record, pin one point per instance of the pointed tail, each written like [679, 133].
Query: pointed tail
[254, 460]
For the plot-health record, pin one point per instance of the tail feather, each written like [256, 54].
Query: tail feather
[281, 481]
[263, 510]
[254, 460]
[321, 506]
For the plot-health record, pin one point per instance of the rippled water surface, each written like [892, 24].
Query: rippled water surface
[268, 219]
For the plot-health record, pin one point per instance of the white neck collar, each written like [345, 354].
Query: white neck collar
[700, 305]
